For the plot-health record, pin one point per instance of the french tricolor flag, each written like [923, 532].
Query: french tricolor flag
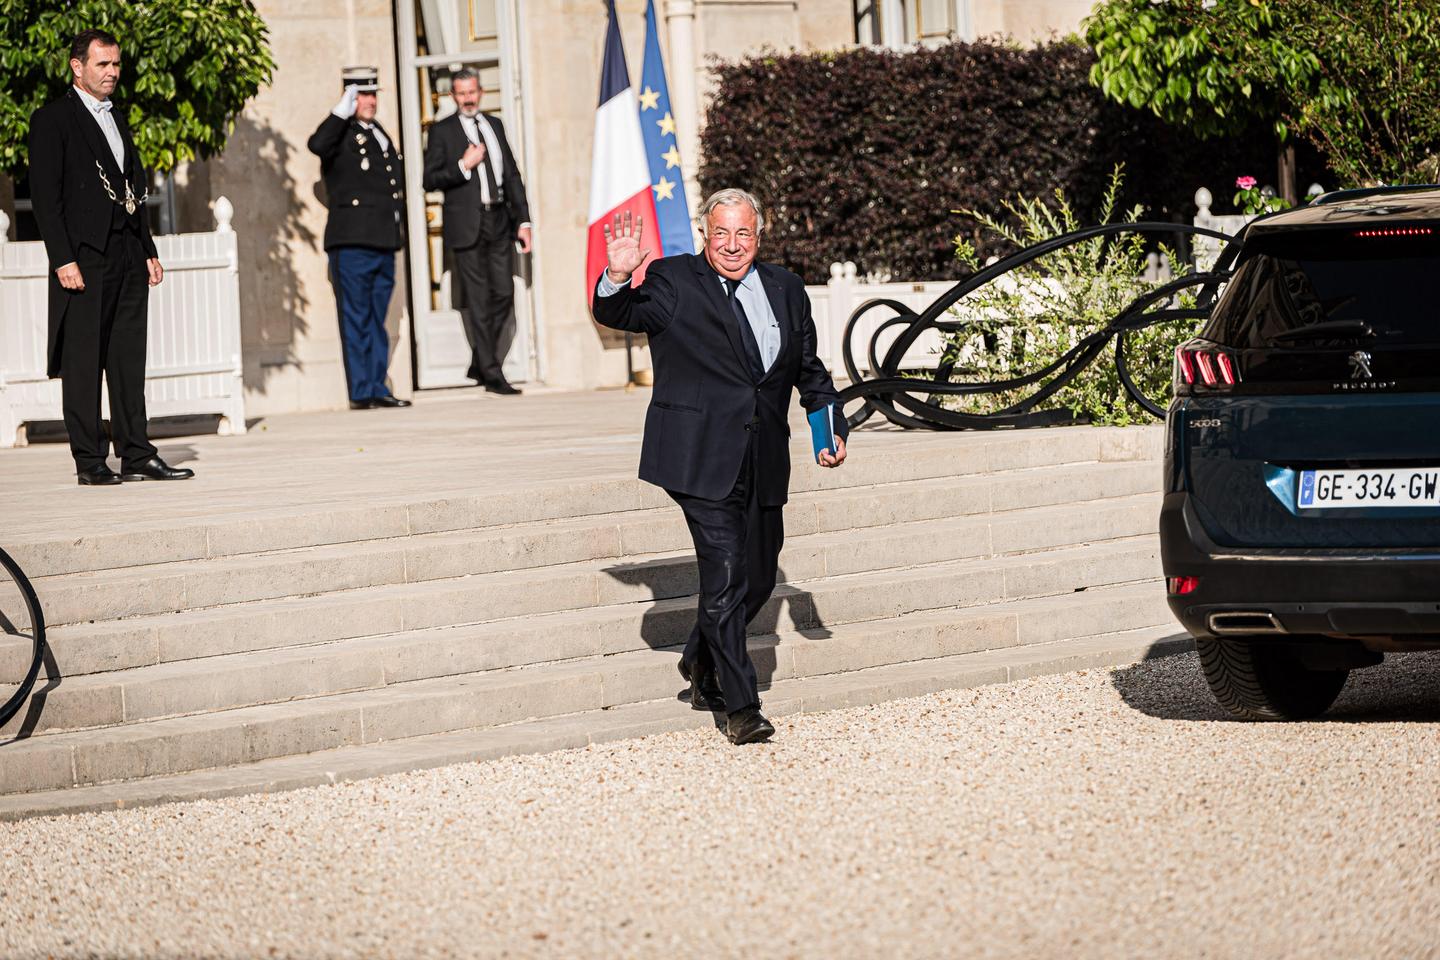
[619, 169]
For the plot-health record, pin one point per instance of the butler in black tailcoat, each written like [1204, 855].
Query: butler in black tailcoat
[365, 190]
[486, 214]
[88, 189]
[730, 340]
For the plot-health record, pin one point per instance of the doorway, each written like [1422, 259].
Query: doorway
[435, 38]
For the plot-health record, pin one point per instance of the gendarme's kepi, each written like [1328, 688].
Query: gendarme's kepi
[363, 79]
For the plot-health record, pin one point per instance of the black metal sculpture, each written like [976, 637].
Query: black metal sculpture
[37, 630]
[914, 401]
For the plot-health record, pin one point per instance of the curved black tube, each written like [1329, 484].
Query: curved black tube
[37, 620]
[898, 398]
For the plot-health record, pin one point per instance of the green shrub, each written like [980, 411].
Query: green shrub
[1032, 316]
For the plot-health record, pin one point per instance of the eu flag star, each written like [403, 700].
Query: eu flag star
[664, 190]
[672, 157]
[667, 124]
[650, 99]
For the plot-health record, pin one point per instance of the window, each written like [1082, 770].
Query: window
[900, 23]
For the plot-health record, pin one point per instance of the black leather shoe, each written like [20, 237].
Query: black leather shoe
[363, 404]
[748, 726]
[99, 475]
[388, 401]
[705, 693]
[156, 469]
[502, 387]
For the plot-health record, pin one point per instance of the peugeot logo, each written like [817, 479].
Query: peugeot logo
[1360, 366]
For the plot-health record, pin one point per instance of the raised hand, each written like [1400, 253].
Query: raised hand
[622, 246]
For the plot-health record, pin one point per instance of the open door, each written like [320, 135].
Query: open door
[437, 37]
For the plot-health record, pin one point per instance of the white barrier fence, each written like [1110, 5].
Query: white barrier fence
[192, 362]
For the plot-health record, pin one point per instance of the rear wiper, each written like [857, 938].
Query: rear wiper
[1330, 329]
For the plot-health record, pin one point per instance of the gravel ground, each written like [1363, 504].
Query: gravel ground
[1093, 814]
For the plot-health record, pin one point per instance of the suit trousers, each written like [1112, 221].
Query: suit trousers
[363, 279]
[737, 547]
[485, 271]
[105, 331]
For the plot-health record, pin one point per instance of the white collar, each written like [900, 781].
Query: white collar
[93, 104]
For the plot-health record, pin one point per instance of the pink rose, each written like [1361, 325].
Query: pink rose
[1245, 183]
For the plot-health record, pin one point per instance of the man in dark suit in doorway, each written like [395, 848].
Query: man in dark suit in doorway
[730, 340]
[88, 188]
[486, 214]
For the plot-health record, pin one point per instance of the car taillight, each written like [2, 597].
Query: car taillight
[1180, 586]
[1206, 366]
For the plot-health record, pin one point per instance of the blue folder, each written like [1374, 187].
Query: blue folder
[822, 430]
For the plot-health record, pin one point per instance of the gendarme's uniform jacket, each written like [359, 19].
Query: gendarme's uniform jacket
[364, 185]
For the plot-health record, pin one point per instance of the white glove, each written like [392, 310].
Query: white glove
[345, 109]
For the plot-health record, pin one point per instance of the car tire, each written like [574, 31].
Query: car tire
[1261, 680]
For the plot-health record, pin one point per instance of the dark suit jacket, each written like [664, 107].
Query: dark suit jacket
[706, 395]
[364, 200]
[71, 205]
[443, 151]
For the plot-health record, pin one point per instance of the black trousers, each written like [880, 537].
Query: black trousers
[105, 332]
[485, 271]
[737, 547]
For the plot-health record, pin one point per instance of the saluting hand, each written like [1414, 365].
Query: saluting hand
[622, 246]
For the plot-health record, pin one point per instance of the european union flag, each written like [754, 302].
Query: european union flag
[672, 211]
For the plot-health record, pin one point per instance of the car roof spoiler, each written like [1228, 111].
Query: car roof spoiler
[1339, 196]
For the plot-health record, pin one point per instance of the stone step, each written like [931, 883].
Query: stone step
[579, 729]
[123, 644]
[224, 682]
[649, 550]
[437, 704]
[230, 682]
[207, 533]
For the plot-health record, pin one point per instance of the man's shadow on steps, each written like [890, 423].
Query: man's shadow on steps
[672, 587]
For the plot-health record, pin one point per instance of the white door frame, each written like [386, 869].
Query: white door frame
[441, 353]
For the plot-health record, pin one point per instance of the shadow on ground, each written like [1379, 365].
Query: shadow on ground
[1406, 687]
[667, 624]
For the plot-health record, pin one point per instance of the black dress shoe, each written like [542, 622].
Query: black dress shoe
[502, 387]
[363, 404]
[748, 726]
[156, 469]
[388, 401]
[704, 694]
[99, 475]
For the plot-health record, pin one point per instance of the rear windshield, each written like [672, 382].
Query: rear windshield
[1286, 283]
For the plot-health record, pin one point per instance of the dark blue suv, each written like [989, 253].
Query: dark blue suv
[1300, 534]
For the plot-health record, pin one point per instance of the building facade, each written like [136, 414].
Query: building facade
[539, 61]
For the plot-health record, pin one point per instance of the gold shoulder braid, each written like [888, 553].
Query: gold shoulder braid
[131, 202]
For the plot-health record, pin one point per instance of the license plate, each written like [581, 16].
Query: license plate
[1402, 487]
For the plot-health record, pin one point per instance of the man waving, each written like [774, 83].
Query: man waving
[730, 339]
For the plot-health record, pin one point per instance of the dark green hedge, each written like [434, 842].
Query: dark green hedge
[862, 155]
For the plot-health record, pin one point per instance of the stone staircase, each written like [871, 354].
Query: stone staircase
[276, 650]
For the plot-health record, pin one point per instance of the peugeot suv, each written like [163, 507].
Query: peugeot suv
[1300, 533]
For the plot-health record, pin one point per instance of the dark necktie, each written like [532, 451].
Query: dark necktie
[747, 333]
[489, 171]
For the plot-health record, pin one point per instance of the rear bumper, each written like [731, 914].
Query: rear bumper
[1389, 597]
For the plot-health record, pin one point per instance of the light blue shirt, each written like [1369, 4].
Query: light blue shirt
[751, 296]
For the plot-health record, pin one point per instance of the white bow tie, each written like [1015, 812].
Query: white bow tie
[103, 106]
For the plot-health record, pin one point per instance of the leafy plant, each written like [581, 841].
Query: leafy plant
[861, 154]
[188, 68]
[1251, 199]
[1359, 80]
[1031, 317]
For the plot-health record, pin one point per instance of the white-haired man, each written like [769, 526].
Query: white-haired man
[730, 339]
